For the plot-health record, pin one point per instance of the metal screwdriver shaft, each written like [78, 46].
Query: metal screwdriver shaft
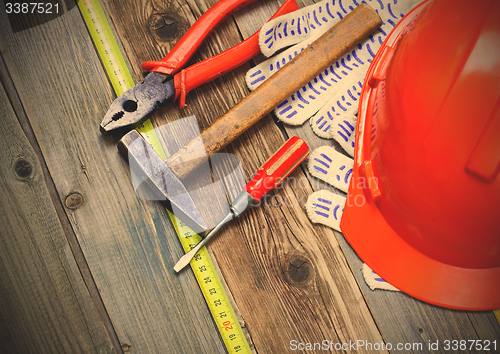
[184, 261]
[269, 176]
[240, 204]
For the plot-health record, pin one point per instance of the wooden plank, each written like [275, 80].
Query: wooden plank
[45, 304]
[289, 279]
[486, 325]
[400, 318]
[129, 244]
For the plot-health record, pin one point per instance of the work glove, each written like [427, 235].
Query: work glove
[334, 168]
[326, 207]
[329, 101]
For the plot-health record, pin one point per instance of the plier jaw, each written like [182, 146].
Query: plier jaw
[167, 78]
[136, 104]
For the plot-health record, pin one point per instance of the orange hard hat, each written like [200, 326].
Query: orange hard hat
[423, 207]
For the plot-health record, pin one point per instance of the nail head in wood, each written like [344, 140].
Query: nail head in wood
[126, 347]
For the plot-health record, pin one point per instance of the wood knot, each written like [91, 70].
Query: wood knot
[126, 347]
[74, 201]
[167, 27]
[23, 168]
[298, 269]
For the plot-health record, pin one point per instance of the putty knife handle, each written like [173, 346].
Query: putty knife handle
[327, 49]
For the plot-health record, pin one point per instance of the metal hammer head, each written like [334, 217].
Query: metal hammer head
[148, 167]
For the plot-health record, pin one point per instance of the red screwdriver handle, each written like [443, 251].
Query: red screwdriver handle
[184, 49]
[211, 68]
[278, 167]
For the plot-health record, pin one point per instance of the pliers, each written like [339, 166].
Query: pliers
[166, 79]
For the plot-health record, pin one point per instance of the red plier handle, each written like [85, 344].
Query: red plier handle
[190, 42]
[222, 63]
[213, 67]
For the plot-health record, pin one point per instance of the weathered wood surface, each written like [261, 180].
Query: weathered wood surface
[259, 254]
[129, 244]
[44, 304]
[290, 279]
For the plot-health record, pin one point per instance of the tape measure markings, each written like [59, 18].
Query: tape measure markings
[106, 45]
[213, 291]
[203, 268]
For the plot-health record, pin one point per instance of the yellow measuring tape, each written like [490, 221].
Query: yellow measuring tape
[106, 45]
[204, 270]
[202, 265]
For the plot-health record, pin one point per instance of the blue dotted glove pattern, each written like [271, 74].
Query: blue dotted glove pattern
[331, 98]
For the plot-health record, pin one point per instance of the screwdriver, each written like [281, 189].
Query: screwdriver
[268, 177]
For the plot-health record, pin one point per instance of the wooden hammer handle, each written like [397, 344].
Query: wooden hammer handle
[327, 49]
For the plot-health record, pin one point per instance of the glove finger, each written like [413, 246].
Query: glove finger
[260, 73]
[325, 207]
[349, 70]
[374, 281]
[342, 80]
[301, 25]
[341, 127]
[279, 33]
[331, 166]
[326, 121]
